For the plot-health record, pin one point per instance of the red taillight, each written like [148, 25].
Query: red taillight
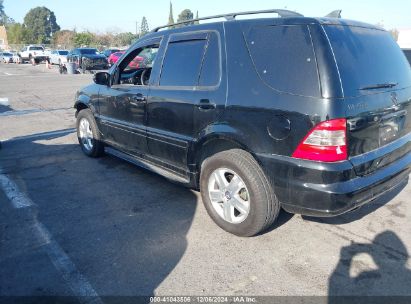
[326, 142]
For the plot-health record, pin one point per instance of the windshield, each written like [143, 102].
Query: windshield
[7, 54]
[63, 52]
[88, 51]
[368, 59]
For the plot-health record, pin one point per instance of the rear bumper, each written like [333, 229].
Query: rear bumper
[329, 189]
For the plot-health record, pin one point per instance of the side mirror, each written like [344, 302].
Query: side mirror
[102, 78]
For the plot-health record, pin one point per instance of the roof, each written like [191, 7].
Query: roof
[276, 21]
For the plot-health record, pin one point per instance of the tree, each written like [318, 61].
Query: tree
[4, 19]
[186, 15]
[16, 33]
[197, 22]
[41, 24]
[64, 38]
[107, 39]
[84, 39]
[144, 27]
[124, 39]
[171, 16]
[395, 33]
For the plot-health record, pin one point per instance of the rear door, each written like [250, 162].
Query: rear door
[376, 83]
[188, 95]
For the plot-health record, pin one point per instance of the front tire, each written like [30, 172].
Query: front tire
[88, 134]
[237, 194]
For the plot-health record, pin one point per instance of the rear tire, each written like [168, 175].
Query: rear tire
[88, 135]
[258, 207]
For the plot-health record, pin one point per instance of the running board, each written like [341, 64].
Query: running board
[147, 165]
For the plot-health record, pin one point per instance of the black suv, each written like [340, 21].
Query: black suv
[87, 59]
[311, 115]
[407, 53]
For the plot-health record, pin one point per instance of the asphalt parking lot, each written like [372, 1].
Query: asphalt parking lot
[75, 226]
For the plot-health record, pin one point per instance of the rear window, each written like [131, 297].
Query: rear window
[284, 58]
[36, 48]
[367, 57]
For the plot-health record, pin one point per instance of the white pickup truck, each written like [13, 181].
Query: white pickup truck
[35, 52]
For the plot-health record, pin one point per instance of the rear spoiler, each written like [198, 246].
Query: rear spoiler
[334, 14]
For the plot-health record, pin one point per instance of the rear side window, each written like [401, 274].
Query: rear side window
[367, 57]
[182, 63]
[284, 58]
[210, 71]
[190, 63]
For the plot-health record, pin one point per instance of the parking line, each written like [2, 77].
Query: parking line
[78, 284]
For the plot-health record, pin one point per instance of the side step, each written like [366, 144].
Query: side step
[143, 163]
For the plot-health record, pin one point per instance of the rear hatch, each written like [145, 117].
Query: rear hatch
[376, 83]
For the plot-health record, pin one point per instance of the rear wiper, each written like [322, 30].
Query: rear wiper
[380, 86]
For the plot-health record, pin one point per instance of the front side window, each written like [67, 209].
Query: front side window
[135, 68]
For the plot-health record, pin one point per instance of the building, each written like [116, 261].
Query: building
[3, 38]
[404, 38]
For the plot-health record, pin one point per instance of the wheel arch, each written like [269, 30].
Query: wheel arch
[215, 139]
[82, 102]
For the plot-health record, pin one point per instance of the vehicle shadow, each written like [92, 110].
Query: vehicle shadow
[390, 280]
[123, 227]
[362, 211]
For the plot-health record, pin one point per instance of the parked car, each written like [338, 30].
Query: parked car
[6, 57]
[108, 52]
[87, 59]
[58, 56]
[35, 52]
[113, 58]
[16, 58]
[407, 53]
[311, 115]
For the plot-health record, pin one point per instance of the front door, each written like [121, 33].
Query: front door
[122, 106]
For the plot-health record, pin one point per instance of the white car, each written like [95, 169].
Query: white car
[58, 57]
[6, 57]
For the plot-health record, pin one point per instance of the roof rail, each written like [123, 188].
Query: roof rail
[334, 14]
[281, 12]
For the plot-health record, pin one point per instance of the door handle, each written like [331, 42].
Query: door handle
[206, 105]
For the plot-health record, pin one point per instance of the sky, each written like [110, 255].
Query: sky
[120, 16]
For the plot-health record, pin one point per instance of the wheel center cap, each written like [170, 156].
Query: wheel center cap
[227, 195]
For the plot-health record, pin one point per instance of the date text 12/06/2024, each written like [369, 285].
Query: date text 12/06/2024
[203, 299]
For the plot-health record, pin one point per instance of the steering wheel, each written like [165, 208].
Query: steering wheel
[145, 76]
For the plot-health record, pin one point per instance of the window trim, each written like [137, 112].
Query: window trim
[187, 36]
